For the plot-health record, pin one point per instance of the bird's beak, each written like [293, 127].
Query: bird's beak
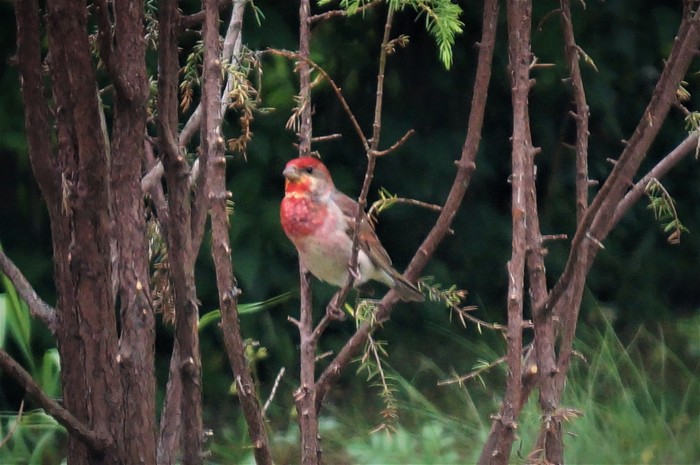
[291, 173]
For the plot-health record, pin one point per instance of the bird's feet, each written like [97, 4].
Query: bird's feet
[333, 311]
[354, 272]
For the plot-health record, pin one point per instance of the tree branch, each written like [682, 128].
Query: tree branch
[305, 395]
[335, 13]
[231, 50]
[657, 172]
[181, 250]
[465, 168]
[95, 441]
[582, 111]
[334, 86]
[169, 434]
[213, 145]
[37, 307]
[36, 111]
[597, 221]
[498, 446]
[196, 19]
[371, 149]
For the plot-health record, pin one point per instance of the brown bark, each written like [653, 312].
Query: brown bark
[181, 247]
[169, 435]
[36, 110]
[305, 396]
[96, 442]
[498, 445]
[39, 309]
[87, 329]
[181, 256]
[465, 168]
[213, 145]
[601, 216]
[127, 69]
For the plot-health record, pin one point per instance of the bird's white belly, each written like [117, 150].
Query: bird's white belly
[326, 254]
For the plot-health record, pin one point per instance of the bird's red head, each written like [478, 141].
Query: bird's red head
[306, 175]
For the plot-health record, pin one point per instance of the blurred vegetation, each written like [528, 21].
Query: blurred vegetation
[639, 280]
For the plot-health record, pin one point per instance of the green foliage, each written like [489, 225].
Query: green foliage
[642, 383]
[664, 208]
[638, 279]
[244, 309]
[30, 437]
[372, 364]
[16, 321]
[441, 20]
[432, 444]
[640, 403]
[452, 296]
[191, 75]
[243, 95]
[151, 20]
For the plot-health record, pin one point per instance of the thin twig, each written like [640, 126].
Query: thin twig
[657, 172]
[573, 52]
[472, 374]
[273, 392]
[231, 50]
[477, 372]
[14, 427]
[37, 307]
[597, 220]
[326, 138]
[465, 168]
[371, 149]
[336, 89]
[396, 144]
[336, 13]
[381, 203]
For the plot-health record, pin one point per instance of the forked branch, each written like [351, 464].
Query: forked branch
[465, 168]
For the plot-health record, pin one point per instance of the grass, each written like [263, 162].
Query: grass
[640, 398]
[31, 437]
[640, 402]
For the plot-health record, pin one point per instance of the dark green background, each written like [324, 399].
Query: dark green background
[638, 278]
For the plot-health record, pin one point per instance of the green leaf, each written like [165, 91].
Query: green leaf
[50, 371]
[18, 321]
[244, 309]
[441, 21]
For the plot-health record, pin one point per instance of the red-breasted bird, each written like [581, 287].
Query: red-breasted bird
[320, 221]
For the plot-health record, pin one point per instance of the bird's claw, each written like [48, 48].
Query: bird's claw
[333, 311]
[354, 272]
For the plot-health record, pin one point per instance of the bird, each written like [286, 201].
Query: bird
[320, 221]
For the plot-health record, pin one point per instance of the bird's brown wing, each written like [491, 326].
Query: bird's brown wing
[368, 240]
[370, 245]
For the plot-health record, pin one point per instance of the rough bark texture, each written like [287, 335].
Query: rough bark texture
[127, 67]
[81, 230]
[465, 168]
[213, 145]
[503, 428]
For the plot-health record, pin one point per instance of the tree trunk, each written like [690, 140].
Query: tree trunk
[81, 228]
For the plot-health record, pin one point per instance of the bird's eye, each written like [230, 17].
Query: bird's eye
[309, 169]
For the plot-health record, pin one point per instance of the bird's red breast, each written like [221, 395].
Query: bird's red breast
[300, 215]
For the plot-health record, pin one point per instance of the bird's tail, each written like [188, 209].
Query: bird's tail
[408, 292]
